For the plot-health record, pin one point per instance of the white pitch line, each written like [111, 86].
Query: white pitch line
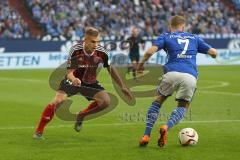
[118, 124]
[23, 79]
[221, 93]
[213, 121]
[222, 84]
[32, 80]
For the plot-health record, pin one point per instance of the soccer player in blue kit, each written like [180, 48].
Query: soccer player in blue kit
[180, 74]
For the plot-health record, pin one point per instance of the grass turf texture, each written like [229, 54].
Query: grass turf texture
[215, 114]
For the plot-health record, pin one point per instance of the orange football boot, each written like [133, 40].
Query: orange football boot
[144, 141]
[162, 140]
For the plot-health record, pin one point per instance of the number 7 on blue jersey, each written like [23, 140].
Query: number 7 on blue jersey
[186, 41]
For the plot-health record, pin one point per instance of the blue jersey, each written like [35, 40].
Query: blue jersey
[182, 49]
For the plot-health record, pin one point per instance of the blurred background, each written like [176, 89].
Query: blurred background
[39, 33]
[66, 19]
[35, 38]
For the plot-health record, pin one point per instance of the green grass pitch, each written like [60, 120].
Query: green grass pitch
[215, 114]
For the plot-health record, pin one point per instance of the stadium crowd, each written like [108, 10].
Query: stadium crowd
[11, 24]
[67, 18]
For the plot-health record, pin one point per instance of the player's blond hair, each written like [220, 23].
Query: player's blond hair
[91, 31]
[176, 21]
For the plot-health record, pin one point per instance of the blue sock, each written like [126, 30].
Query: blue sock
[152, 117]
[176, 116]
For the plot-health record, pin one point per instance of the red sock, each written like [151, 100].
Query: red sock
[46, 117]
[92, 108]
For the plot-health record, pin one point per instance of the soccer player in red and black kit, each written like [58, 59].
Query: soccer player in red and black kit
[83, 62]
[134, 54]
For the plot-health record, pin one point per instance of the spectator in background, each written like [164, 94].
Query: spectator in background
[149, 16]
[11, 24]
[65, 19]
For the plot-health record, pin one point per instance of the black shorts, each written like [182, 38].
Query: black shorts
[86, 90]
[134, 57]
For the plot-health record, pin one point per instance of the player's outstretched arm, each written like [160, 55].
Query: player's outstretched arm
[146, 56]
[114, 74]
[75, 81]
[212, 52]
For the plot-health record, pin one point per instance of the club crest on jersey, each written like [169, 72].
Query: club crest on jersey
[80, 59]
[96, 59]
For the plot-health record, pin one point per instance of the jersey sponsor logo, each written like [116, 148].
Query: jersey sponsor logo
[86, 66]
[90, 66]
[182, 37]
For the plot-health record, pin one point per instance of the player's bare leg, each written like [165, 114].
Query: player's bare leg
[134, 67]
[48, 113]
[129, 68]
[101, 101]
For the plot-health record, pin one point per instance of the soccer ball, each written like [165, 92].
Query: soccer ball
[188, 136]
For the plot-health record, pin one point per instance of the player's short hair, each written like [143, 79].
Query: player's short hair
[177, 21]
[91, 31]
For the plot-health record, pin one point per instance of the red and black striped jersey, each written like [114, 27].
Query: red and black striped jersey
[86, 65]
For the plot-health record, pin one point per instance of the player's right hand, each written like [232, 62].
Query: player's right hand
[76, 82]
[127, 92]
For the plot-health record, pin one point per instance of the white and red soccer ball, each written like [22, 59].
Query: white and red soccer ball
[188, 136]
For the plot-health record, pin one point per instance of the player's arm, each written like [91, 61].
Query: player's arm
[146, 56]
[157, 45]
[212, 52]
[142, 44]
[129, 45]
[72, 65]
[75, 81]
[205, 48]
[112, 70]
[114, 74]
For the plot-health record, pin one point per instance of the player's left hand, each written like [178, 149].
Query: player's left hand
[127, 92]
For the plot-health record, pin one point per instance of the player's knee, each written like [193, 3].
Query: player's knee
[59, 97]
[104, 103]
[184, 104]
[160, 99]
[58, 100]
